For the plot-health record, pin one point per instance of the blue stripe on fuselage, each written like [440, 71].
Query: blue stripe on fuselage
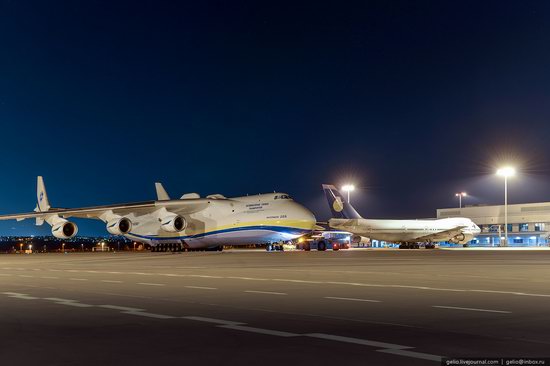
[279, 229]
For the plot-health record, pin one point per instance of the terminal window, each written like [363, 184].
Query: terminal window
[539, 226]
[523, 227]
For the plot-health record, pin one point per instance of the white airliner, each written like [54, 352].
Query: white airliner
[408, 233]
[189, 222]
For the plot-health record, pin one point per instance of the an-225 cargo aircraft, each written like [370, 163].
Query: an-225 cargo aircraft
[189, 222]
[407, 233]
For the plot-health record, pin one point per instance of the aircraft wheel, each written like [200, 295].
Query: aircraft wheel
[307, 248]
[322, 246]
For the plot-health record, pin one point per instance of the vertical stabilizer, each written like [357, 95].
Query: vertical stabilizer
[162, 195]
[43, 204]
[339, 208]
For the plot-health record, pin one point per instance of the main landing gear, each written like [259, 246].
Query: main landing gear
[416, 246]
[168, 248]
[175, 248]
[274, 247]
[409, 246]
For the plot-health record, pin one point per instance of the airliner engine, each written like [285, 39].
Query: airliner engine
[172, 223]
[119, 226]
[64, 229]
[457, 239]
[360, 240]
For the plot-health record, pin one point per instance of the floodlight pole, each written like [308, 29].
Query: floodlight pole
[505, 210]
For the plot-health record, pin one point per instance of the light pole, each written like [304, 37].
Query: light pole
[348, 188]
[460, 195]
[506, 172]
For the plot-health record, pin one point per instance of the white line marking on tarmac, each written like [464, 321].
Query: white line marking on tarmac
[111, 281]
[276, 333]
[26, 276]
[349, 299]
[76, 304]
[5, 274]
[364, 342]
[265, 292]
[57, 299]
[78, 279]
[395, 349]
[50, 277]
[17, 295]
[150, 284]
[121, 308]
[201, 287]
[212, 320]
[297, 281]
[68, 302]
[149, 315]
[248, 278]
[472, 309]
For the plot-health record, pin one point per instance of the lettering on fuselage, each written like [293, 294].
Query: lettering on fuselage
[255, 207]
[276, 217]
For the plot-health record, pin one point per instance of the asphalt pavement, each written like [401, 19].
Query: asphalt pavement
[354, 307]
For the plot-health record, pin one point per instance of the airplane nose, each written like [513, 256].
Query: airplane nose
[307, 218]
[310, 218]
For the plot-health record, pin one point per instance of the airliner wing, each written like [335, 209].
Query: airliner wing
[442, 235]
[182, 207]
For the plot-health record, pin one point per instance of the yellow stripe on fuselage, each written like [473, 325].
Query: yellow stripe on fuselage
[293, 224]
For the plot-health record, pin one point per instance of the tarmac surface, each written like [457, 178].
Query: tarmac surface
[355, 307]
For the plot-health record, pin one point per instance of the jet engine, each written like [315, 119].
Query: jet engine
[360, 240]
[64, 229]
[457, 239]
[119, 226]
[173, 223]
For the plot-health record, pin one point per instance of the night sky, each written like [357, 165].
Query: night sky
[410, 100]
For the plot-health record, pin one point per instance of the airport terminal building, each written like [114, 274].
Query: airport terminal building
[528, 223]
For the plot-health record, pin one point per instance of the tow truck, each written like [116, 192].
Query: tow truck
[321, 241]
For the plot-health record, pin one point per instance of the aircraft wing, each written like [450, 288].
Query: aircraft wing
[182, 207]
[442, 235]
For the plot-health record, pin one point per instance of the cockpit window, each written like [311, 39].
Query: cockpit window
[283, 197]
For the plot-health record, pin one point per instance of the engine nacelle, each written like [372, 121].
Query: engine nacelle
[119, 226]
[173, 223]
[358, 239]
[459, 239]
[64, 229]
